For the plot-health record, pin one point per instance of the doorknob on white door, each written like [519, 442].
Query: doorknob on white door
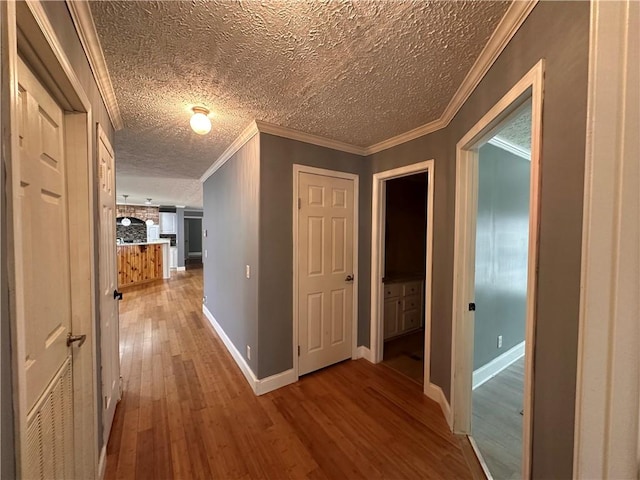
[349, 278]
[75, 338]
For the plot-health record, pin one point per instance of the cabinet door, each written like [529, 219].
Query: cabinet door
[391, 317]
[410, 320]
[168, 223]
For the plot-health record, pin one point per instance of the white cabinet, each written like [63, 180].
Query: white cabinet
[402, 307]
[168, 223]
[173, 257]
[153, 233]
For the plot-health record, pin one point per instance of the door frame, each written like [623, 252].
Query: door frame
[529, 86]
[29, 30]
[297, 170]
[378, 221]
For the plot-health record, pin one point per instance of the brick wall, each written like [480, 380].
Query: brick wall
[139, 211]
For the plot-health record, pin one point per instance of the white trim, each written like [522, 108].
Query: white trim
[498, 364]
[86, 28]
[377, 256]
[292, 134]
[435, 393]
[506, 145]
[297, 169]
[531, 85]
[481, 461]
[247, 134]
[506, 29]
[181, 269]
[364, 352]
[259, 387]
[606, 443]
[102, 463]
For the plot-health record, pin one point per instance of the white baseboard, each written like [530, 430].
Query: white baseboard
[259, 387]
[435, 393]
[496, 365]
[364, 352]
[102, 463]
[181, 269]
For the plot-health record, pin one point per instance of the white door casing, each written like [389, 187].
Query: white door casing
[529, 86]
[44, 286]
[109, 325]
[326, 297]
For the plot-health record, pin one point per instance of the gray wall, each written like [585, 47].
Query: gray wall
[231, 218]
[559, 33]
[180, 235]
[502, 236]
[277, 156]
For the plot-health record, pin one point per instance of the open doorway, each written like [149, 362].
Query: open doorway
[405, 240]
[401, 269]
[495, 259]
[193, 242]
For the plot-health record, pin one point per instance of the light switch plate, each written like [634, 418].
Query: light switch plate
[248, 271]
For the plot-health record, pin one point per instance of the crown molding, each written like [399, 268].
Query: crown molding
[86, 28]
[290, 133]
[247, 134]
[514, 17]
[510, 147]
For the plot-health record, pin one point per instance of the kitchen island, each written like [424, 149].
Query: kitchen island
[142, 262]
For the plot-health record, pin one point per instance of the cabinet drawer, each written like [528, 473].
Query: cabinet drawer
[410, 320]
[412, 288]
[411, 302]
[392, 290]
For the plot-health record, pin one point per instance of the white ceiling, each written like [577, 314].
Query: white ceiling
[517, 131]
[354, 71]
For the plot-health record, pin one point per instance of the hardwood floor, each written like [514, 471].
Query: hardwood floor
[406, 355]
[187, 411]
[497, 423]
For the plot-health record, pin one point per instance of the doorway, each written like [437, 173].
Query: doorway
[401, 304]
[404, 261]
[495, 258]
[193, 242]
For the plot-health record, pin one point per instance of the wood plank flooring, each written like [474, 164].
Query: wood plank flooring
[497, 423]
[187, 411]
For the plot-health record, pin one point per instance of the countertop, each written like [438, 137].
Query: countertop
[155, 242]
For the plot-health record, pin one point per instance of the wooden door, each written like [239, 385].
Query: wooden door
[325, 261]
[43, 291]
[109, 325]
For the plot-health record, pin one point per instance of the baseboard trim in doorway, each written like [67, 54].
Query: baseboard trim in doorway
[259, 386]
[102, 463]
[435, 393]
[364, 352]
[181, 269]
[498, 364]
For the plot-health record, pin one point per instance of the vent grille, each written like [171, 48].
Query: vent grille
[50, 431]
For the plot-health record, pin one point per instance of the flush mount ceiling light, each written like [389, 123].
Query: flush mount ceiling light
[126, 221]
[200, 122]
[149, 220]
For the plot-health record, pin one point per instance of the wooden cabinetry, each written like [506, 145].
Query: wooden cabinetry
[139, 264]
[168, 223]
[403, 306]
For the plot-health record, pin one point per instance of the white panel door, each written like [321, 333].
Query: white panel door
[43, 291]
[109, 325]
[325, 263]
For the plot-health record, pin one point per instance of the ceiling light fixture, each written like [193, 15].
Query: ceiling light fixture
[200, 122]
[126, 221]
[149, 221]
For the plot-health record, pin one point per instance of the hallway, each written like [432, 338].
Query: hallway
[187, 411]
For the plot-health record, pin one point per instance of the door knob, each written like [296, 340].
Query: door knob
[117, 295]
[75, 338]
[349, 278]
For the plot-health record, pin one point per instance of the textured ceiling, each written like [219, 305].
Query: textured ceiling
[355, 71]
[518, 130]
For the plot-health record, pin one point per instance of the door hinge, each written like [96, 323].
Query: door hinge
[298, 350]
[299, 203]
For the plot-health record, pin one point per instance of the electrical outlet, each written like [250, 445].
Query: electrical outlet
[248, 352]
[499, 341]
[205, 254]
[248, 271]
